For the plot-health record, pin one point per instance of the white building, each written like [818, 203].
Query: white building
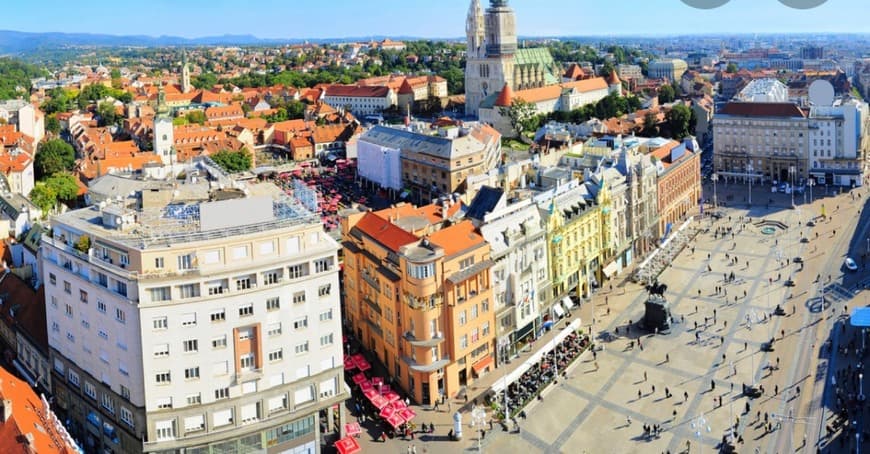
[669, 68]
[837, 148]
[25, 116]
[179, 326]
[763, 90]
[360, 100]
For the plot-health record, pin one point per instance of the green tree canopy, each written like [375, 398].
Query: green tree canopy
[15, 78]
[521, 115]
[233, 161]
[666, 94]
[63, 185]
[650, 125]
[196, 116]
[43, 197]
[731, 68]
[108, 115]
[204, 80]
[54, 156]
[679, 121]
[52, 124]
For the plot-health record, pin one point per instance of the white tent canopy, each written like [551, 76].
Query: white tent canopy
[502, 383]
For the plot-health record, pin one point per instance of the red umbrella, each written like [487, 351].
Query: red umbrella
[377, 381]
[370, 393]
[396, 420]
[407, 414]
[359, 378]
[347, 445]
[387, 411]
[399, 405]
[364, 386]
[348, 364]
[380, 402]
[385, 389]
[364, 366]
[352, 429]
[392, 396]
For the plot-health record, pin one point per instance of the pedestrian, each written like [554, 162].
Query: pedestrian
[596, 365]
[384, 436]
[732, 387]
[685, 396]
[653, 389]
[667, 393]
[667, 358]
[712, 385]
[639, 394]
[435, 408]
[644, 375]
[775, 390]
[725, 323]
[675, 414]
[745, 346]
[628, 420]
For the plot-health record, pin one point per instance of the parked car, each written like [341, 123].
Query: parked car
[850, 264]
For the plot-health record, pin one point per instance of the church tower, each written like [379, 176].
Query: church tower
[163, 131]
[185, 74]
[492, 45]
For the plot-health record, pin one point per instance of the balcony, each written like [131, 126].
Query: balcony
[373, 305]
[435, 340]
[442, 362]
[371, 281]
[91, 258]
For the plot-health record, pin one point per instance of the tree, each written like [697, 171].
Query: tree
[54, 156]
[43, 197]
[180, 121]
[650, 125]
[521, 115]
[731, 68]
[204, 80]
[115, 73]
[63, 185]
[196, 116]
[52, 124]
[666, 94]
[679, 121]
[108, 115]
[233, 161]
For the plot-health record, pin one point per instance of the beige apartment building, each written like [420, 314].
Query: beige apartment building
[176, 325]
[418, 295]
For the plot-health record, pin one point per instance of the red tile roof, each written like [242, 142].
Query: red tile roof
[385, 232]
[505, 97]
[354, 91]
[32, 428]
[457, 238]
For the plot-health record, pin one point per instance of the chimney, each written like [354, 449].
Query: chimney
[5, 410]
[444, 209]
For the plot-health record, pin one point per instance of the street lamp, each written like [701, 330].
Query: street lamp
[811, 182]
[791, 171]
[861, 389]
[700, 424]
[715, 178]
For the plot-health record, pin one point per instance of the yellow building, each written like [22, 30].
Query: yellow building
[418, 295]
[577, 228]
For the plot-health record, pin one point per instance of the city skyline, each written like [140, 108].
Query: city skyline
[344, 19]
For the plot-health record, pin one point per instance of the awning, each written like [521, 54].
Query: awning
[860, 317]
[482, 364]
[611, 269]
[568, 302]
[26, 373]
[558, 308]
[347, 445]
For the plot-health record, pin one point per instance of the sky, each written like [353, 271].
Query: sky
[314, 19]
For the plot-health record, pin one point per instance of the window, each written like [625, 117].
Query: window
[161, 350]
[222, 393]
[277, 403]
[474, 312]
[245, 334]
[127, 417]
[194, 423]
[191, 345]
[185, 262]
[466, 262]
[83, 296]
[272, 277]
[121, 288]
[69, 311]
[484, 306]
[421, 271]
[243, 283]
[324, 290]
[125, 392]
[218, 316]
[103, 280]
[326, 316]
[274, 329]
[273, 304]
[475, 335]
[219, 342]
[462, 318]
[485, 329]
[120, 315]
[124, 259]
[463, 341]
[160, 294]
[323, 265]
[73, 378]
[276, 355]
[107, 403]
[188, 291]
[247, 361]
[300, 323]
[240, 252]
[222, 417]
[160, 322]
[299, 297]
[54, 301]
[246, 310]
[326, 340]
[297, 271]
[67, 287]
[52, 278]
[165, 430]
[55, 326]
[163, 377]
[194, 399]
[103, 335]
[90, 390]
[158, 262]
[101, 306]
[302, 348]
[188, 319]
[191, 373]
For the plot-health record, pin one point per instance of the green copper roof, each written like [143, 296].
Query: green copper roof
[538, 56]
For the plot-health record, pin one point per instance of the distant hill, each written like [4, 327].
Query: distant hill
[15, 42]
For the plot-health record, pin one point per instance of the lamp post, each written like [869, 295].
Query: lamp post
[715, 178]
[749, 170]
[811, 182]
[791, 171]
[861, 387]
[699, 425]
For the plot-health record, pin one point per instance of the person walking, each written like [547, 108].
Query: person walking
[685, 396]
[628, 420]
[644, 375]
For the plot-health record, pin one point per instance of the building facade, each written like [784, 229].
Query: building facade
[678, 185]
[418, 295]
[671, 69]
[174, 326]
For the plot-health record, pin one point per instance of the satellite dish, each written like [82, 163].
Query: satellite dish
[821, 93]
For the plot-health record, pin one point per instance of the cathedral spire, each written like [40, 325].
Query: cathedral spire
[474, 29]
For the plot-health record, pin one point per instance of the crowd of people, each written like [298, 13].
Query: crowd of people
[846, 381]
[539, 375]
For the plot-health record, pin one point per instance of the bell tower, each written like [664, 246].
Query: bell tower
[501, 30]
[185, 74]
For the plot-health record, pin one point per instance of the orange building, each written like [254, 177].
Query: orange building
[679, 181]
[418, 295]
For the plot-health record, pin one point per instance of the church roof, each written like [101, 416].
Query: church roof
[537, 56]
[575, 72]
[505, 97]
[612, 78]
